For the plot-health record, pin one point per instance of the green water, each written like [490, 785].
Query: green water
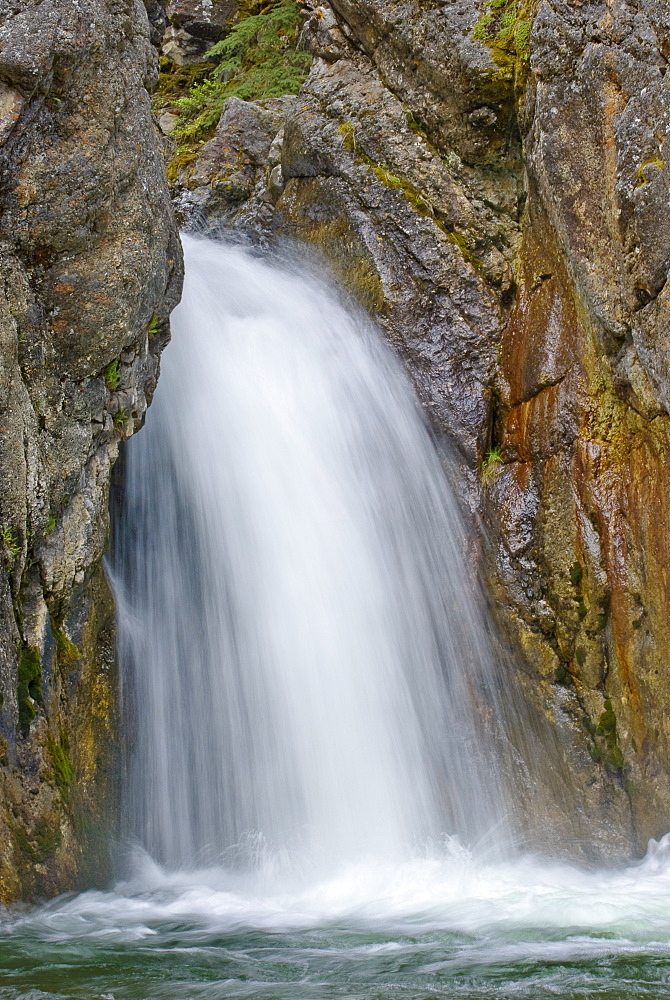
[315, 965]
[430, 928]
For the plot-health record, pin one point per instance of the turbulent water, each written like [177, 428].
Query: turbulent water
[311, 799]
[446, 926]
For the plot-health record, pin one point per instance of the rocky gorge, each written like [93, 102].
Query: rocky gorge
[487, 179]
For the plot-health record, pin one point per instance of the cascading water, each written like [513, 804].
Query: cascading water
[295, 616]
[307, 676]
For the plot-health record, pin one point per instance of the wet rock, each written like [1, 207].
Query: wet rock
[192, 26]
[91, 267]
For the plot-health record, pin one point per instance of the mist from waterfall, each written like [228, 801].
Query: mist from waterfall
[299, 633]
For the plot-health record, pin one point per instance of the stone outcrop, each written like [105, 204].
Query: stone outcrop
[190, 27]
[490, 180]
[91, 268]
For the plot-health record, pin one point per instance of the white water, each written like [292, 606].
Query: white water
[295, 615]
[524, 909]
[306, 671]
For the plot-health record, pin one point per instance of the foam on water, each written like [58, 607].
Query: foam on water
[526, 909]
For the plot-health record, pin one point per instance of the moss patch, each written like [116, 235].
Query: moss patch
[505, 27]
[61, 767]
[607, 729]
[68, 652]
[605, 748]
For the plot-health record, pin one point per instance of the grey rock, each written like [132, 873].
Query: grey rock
[91, 267]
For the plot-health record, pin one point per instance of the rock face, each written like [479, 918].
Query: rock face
[192, 26]
[91, 268]
[490, 179]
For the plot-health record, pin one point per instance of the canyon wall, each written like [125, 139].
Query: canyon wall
[490, 181]
[91, 268]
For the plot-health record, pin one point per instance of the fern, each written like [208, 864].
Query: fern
[259, 60]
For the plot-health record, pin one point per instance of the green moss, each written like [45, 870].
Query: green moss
[68, 652]
[396, 183]
[258, 59]
[582, 610]
[589, 725]
[112, 375]
[47, 835]
[412, 122]
[505, 27]
[605, 748]
[23, 849]
[576, 574]
[10, 542]
[50, 525]
[348, 133]
[522, 36]
[182, 161]
[29, 687]
[175, 81]
[61, 767]
[607, 730]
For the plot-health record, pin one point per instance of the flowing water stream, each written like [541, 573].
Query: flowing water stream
[313, 800]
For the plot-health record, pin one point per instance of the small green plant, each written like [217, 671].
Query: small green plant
[112, 375]
[50, 525]
[576, 573]
[120, 418]
[348, 133]
[154, 325]
[10, 541]
[491, 464]
[257, 59]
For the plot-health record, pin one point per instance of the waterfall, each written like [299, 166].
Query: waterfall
[302, 655]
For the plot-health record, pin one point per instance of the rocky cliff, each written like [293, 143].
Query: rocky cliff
[489, 178]
[91, 268]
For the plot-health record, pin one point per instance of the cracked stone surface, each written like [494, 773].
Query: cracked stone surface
[91, 267]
